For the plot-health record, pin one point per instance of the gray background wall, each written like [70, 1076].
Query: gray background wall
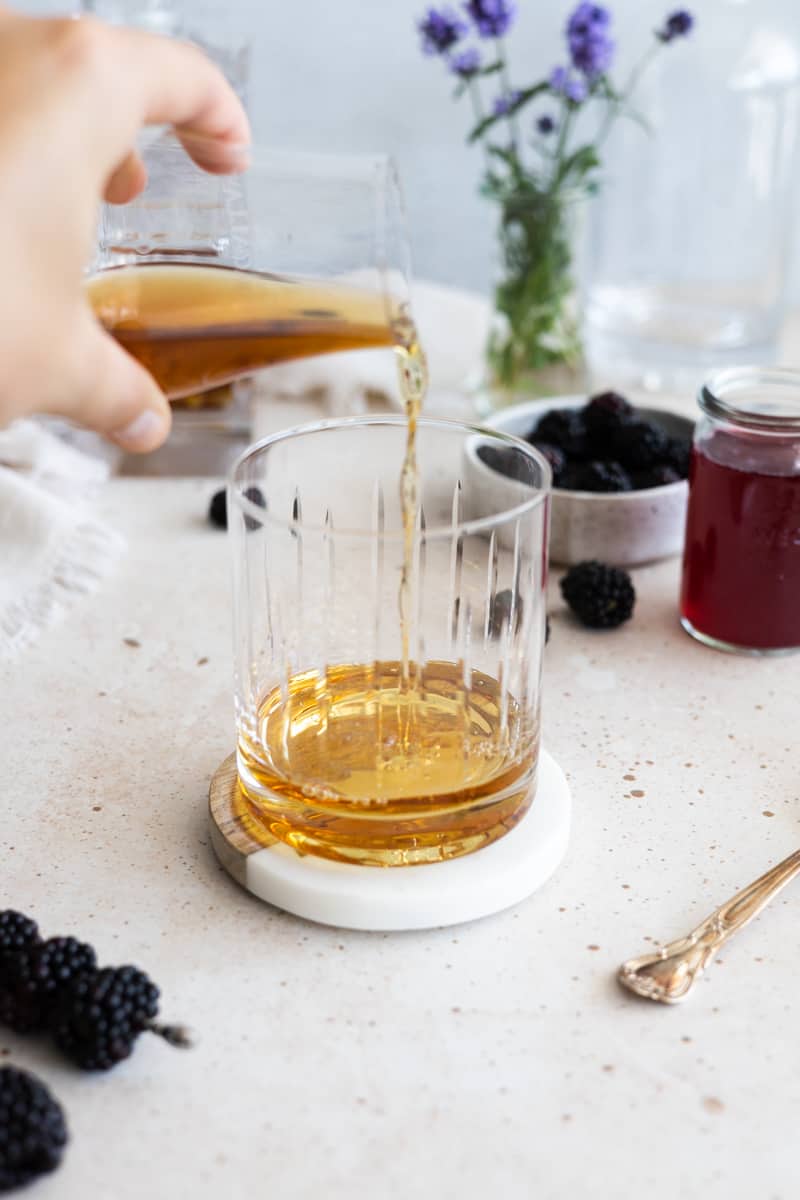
[348, 75]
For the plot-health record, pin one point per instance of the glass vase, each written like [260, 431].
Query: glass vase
[534, 348]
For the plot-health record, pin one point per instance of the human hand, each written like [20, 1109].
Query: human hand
[73, 96]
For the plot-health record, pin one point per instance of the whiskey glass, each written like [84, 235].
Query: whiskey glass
[359, 740]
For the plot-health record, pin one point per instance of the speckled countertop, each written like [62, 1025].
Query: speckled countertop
[497, 1058]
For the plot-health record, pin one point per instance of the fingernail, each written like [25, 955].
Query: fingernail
[145, 432]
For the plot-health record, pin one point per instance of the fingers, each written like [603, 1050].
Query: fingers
[113, 394]
[173, 83]
[215, 156]
[128, 180]
[186, 90]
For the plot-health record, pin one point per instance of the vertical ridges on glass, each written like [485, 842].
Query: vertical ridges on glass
[378, 519]
[491, 585]
[420, 557]
[456, 564]
[509, 635]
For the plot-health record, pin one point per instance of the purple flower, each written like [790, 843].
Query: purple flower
[591, 47]
[504, 103]
[563, 84]
[466, 62]
[440, 30]
[492, 18]
[545, 124]
[678, 24]
[587, 17]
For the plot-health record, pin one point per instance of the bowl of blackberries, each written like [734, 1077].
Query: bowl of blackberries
[619, 474]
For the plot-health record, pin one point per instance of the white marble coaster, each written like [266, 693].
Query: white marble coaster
[397, 898]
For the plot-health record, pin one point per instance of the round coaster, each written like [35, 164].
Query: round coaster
[394, 898]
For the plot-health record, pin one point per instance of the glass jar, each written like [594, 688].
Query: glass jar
[691, 229]
[741, 565]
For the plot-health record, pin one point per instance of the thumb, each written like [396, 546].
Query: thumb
[113, 394]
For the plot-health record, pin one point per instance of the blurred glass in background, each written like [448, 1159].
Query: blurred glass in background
[159, 16]
[690, 246]
[218, 28]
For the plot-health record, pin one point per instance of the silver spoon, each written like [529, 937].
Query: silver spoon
[668, 974]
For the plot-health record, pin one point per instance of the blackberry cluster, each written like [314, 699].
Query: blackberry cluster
[601, 597]
[95, 1015]
[605, 413]
[102, 1014]
[639, 445]
[33, 1132]
[499, 614]
[17, 932]
[596, 476]
[555, 456]
[32, 980]
[565, 428]
[606, 446]
[218, 508]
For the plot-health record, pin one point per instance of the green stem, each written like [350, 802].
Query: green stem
[506, 82]
[564, 128]
[616, 106]
[477, 108]
[475, 97]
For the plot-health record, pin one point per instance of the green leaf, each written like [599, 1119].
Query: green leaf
[508, 156]
[578, 164]
[481, 128]
[491, 69]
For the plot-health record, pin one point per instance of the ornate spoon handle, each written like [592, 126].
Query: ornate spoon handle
[669, 974]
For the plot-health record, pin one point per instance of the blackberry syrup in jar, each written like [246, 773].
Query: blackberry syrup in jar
[741, 565]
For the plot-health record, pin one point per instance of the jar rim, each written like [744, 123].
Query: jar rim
[765, 398]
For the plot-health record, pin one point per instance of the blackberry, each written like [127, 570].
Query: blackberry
[33, 1132]
[506, 461]
[639, 445]
[32, 980]
[218, 508]
[564, 428]
[500, 612]
[601, 597]
[255, 496]
[677, 455]
[17, 932]
[655, 477]
[101, 1015]
[605, 414]
[596, 477]
[554, 455]
[570, 478]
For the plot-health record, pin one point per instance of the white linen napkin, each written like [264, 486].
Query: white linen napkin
[52, 546]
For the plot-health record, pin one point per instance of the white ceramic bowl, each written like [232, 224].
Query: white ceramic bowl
[622, 528]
